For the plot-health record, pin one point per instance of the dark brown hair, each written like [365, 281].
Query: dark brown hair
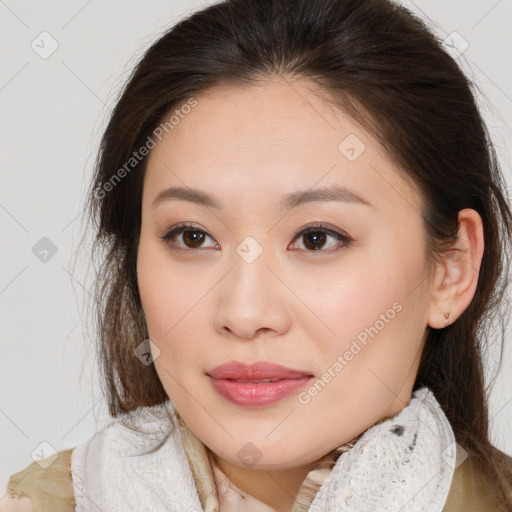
[384, 67]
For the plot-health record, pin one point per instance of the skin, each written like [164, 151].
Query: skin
[205, 305]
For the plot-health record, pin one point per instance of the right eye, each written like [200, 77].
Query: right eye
[192, 237]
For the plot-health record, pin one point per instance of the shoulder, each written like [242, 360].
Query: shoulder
[43, 486]
[47, 485]
[471, 488]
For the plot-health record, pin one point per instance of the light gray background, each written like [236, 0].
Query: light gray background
[52, 114]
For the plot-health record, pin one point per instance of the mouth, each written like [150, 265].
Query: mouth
[258, 393]
[256, 390]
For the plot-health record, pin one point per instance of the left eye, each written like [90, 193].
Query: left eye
[314, 237]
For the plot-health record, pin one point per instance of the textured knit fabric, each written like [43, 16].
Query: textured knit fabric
[113, 469]
[405, 463]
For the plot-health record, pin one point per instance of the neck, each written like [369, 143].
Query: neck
[277, 488]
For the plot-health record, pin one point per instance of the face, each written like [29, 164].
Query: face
[331, 285]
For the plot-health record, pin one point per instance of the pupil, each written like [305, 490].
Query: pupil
[188, 239]
[317, 236]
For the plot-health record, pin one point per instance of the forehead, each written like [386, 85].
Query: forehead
[272, 137]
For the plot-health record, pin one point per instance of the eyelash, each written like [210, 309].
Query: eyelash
[320, 227]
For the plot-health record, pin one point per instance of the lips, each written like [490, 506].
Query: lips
[263, 371]
[260, 384]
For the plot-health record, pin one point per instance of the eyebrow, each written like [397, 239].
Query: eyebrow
[289, 201]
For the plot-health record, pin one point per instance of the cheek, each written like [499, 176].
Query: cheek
[374, 311]
[172, 306]
[355, 298]
[168, 308]
[154, 298]
[158, 287]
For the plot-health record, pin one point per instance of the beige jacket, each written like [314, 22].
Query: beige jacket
[51, 490]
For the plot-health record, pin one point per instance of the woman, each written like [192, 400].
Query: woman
[306, 238]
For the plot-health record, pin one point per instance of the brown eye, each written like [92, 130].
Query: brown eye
[192, 238]
[314, 238]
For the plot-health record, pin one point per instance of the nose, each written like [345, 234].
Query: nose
[252, 299]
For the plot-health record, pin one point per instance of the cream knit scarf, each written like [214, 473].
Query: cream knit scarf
[144, 462]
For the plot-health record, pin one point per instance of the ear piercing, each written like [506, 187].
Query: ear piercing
[446, 315]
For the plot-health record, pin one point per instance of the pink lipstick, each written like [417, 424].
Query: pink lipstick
[261, 383]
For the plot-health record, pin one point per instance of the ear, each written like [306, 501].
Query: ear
[456, 278]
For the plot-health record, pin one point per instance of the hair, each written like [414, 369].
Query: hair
[379, 63]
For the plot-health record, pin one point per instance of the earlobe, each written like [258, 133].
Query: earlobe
[456, 277]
